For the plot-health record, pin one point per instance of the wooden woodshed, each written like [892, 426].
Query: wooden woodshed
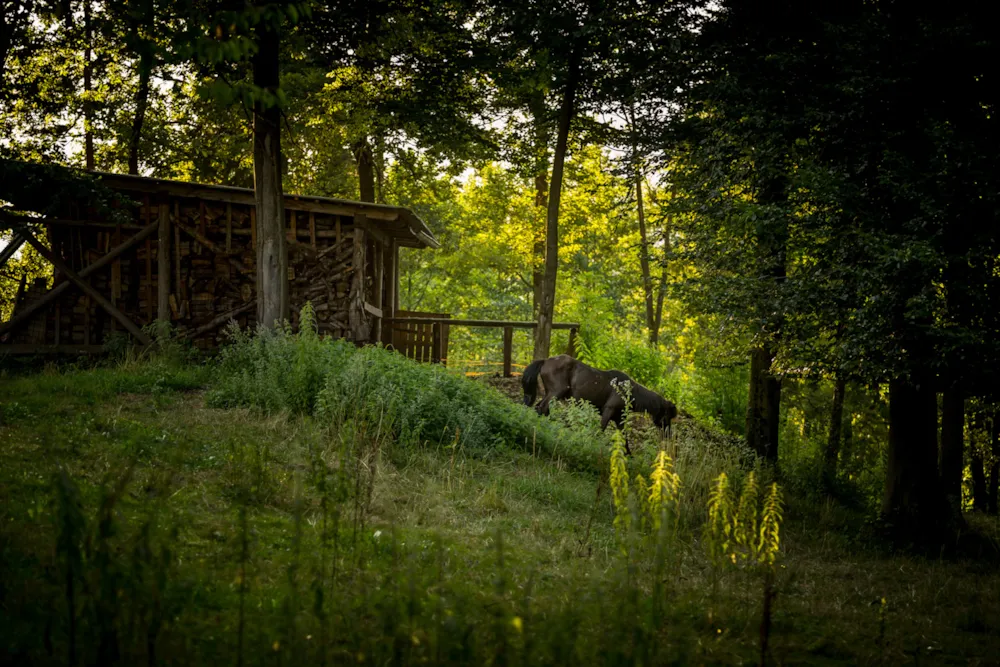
[187, 253]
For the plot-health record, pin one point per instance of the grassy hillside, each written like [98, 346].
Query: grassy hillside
[301, 502]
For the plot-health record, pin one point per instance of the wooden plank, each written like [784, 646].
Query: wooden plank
[15, 244]
[312, 229]
[202, 221]
[47, 298]
[86, 287]
[253, 229]
[291, 233]
[336, 231]
[571, 345]
[229, 227]
[163, 265]
[374, 310]
[508, 348]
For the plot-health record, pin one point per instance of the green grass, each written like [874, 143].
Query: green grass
[373, 535]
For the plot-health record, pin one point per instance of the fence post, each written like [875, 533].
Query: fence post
[571, 347]
[436, 343]
[508, 344]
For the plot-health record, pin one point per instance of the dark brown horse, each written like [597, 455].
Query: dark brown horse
[565, 377]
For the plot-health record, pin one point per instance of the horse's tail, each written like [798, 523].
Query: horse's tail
[529, 381]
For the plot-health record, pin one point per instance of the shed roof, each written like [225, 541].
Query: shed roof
[396, 222]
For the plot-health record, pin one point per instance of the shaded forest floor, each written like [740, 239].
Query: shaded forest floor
[195, 538]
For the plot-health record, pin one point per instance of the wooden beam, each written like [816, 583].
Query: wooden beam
[86, 287]
[374, 310]
[571, 345]
[163, 265]
[379, 289]
[47, 298]
[211, 245]
[508, 348]
[481, 323]
[15, 244]
[220, 320]
[391, 285]
[357, 317]
[229, 227]
[312, 229]
[436, 339]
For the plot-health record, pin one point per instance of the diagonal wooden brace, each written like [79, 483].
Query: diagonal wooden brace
[86, 287]
[15, 243]
[24, 315]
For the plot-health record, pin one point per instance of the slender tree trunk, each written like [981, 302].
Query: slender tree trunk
[141, 103]
[536, 105]
[272, 252]
[952, 446]
[366, 169]
[836, 424]
[543, 334]
[647, 279]
[661, 290]
[88, 105]
[538, 250]
[913, 503]
[763, 407]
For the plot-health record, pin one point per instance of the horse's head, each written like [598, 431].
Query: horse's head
[665, 415]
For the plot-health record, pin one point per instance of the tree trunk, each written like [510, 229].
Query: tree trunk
[538, 263]
[88, 105]
[272, 252]
[836, 425]
[366, 169]
[141, 103]
[763, 405]
[913, 504]
[537, 107]
[543, 334]
[952, 446]
[661, 290]
[647, 279]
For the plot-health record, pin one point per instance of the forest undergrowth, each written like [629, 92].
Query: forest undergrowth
[299, 500]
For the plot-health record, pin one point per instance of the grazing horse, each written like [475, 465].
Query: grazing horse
[565, 377]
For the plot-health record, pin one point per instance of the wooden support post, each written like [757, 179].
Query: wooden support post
[357, 316]
[312, 229]
[293, 233]
[336, 227]
[379, 289]
[395, 282]
[15, 244]
[391, 285]
[163, 265]
[571, 346]
[202, 222]
[508, 349]
[436, 339]
[59, 264]
[253, 229]
[229, 227]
